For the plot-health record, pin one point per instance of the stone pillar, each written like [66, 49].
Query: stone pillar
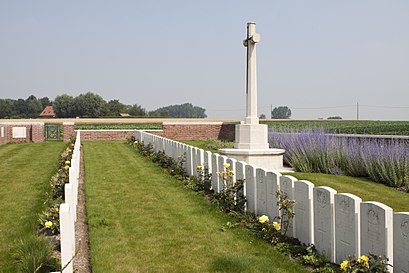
[69, 130]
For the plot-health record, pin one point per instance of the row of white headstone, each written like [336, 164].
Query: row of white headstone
[68, 210]
[338, 224]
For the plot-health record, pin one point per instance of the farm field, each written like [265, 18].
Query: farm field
[371, 127]
[143, 220]
[25, 173]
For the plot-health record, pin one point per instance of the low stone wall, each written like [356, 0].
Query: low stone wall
[18, 132]
[173, 130]
[197, 130]
[106, 134]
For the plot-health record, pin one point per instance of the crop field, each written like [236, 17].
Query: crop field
[343, 126]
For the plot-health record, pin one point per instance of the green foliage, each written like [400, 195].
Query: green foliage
[286, 206]
[34, 255]
[89, 105]
[115, 108]
[371, 127]
[136, 110]
[281, 112]
[64, 106]
[365, 264]
[186, 110]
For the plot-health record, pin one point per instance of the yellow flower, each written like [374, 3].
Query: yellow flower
[231, 173]
[56, 209]
[276, 226]
[48, 224]
[364, 259]
[226, 165]
[263, 219]
[67, 162]
[66, 167]
[199, 167]
[344, 265]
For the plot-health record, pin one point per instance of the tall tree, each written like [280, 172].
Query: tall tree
[7, 109]
[45, 101]
[64, 106]
[186, 110]
[136, 110]
[89, 105]
[281, 112]
[115, 108]
[33, 107]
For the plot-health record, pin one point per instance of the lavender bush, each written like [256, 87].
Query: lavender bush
[313, 150]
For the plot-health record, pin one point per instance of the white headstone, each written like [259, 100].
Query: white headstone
[287, 188]
[251, 192]
[221, 160]
[261, 189]
[232, 167]
[324, 221]
[240, 170]
[189, 160]
[303, 195]
[67, 235]
[207, 160]
[377, 229]
[215, 171]
[401, 242]
[347, 226]
[272, 181]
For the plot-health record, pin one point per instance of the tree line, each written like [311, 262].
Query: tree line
[91, 105]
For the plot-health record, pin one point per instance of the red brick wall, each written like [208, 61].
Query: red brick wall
[68, 131]
[199, 131]
[9, 133]
[3, 138]
[105, 134]
[37, 133]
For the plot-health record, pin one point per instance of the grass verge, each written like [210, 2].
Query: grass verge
[362, 187]
[143, 220]
[211, 145]
[25, 172]
[119, 126]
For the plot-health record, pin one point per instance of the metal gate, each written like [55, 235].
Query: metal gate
[53, 132]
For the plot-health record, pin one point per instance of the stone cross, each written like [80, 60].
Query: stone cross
[251, 81]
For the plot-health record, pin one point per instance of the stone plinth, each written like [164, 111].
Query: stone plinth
[251, 136]
[268, 159]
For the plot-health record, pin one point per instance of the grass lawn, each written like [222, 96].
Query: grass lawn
[362, 187]
[209, 145]
[143, 220]
[25, 172]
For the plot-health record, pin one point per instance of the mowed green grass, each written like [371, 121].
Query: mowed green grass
[25, 171]
[362, 187]
[143, 220]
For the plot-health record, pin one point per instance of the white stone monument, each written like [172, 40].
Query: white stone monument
[251, 143]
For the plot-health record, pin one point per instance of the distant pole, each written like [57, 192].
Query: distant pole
[357, 111]
[271, 111]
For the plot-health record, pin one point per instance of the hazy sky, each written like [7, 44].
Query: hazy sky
[318, 57]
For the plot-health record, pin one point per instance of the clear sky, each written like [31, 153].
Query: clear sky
[319, 57]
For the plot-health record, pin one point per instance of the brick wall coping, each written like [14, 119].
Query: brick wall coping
[199, 122]
[109, 130]
[22, 123]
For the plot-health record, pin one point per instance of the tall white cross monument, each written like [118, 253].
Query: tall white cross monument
[251, 143]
